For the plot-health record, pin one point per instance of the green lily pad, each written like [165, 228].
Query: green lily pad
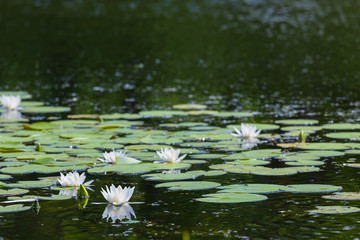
[30, 184]
[33, 169]
[255, 154]
[252, 188]
[319, 154]
[324, 146]
[207, 156]
[189, 185]
[334, 209]
[343, 196]
[14, 208]
[45, 109]
[4, 177]
[259, 170]
[312, 188]
[189, 106]
[14, 191]
[233, 114]
[307, 129]
[22, 94]
[162, 113]
[181, 176]
[231, 198]
[120, 116]
[202, 112]
[305, 163]
[341, 126]
[260, 126]
[344, 135]
[297, 121]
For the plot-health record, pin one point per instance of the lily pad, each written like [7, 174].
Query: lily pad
[189, 106]
[255, 154]
[312, 188]
[189, 185]
[162, 113]
[344, 135]
[341, 126]
[297, 121]
[334, 209]
[14, 208]
[46, 109]
[324, 146]
[343, 196]
[233, 114]
[231, 198]
[253, 188]
[14, 191]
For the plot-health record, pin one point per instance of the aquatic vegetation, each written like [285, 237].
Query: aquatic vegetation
[73, 179]
[246, 131]
[170, 155]
[118, 157]
[10, 102]
[117, 195]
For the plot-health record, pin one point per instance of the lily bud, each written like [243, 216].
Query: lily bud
[38, 148]
[82, 192]
[302, 136]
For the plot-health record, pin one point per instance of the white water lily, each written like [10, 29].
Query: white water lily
[247, 131]
[73, 179]
[118, 157]
[170, 155]
[118, 212]
[117, 195]
[10, 102]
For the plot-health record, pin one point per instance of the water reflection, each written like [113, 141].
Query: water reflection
[11, 114]
[250, 143]
[118, 212]
[69, 192]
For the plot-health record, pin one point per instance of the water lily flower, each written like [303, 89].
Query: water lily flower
[117, 195]
[247, 131]
[118, 212]
[10, 102]
[118, 157]
[73, 179]
[170, 155]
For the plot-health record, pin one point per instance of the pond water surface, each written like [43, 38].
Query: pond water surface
[274, 60]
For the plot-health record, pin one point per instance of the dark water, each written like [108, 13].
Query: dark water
[278, 58]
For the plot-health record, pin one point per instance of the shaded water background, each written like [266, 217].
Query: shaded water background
[281, 59]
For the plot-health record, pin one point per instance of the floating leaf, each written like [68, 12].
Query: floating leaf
[46, 109]
[334, 209]
[231, 198]
[255, 154]
[253, 188]
[324, 146]
[344, 135]
[297, 121]
[189, 185]
[305, 163]
[161, 113]
[312, 188]
[14, 191]
[189, 106]
[14, 208]
[343, 196]
[233, 114]
[341, 126]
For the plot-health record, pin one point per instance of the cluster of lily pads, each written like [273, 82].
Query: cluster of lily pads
[124, 143]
